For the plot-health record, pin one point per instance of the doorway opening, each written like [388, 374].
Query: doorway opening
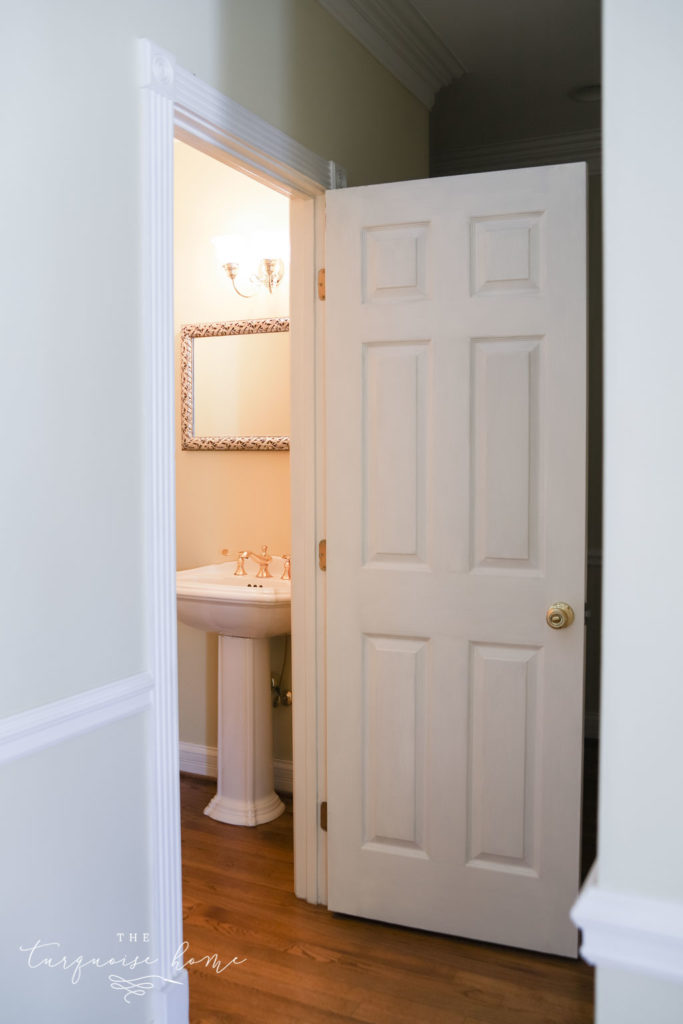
[230, 501]
[177, 104]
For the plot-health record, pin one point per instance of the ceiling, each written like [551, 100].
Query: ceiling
[491, 70]
[521, 61]
[555, 42]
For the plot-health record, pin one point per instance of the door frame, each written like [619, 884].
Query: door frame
[175, 104]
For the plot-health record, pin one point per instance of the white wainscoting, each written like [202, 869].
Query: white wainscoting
[30, 731]
[200, 760]
[629, 932]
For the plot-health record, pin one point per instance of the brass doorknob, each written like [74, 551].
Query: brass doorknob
[559, 615]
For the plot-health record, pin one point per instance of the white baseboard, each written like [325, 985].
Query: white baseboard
[199, 760]
[629, 932]
[284, 776]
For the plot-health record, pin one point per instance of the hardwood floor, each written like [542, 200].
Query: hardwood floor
[303, 965]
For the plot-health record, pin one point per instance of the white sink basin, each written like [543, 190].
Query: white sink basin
[244, 611]
[212, 598]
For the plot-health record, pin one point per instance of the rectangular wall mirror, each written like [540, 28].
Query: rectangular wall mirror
[235, 385]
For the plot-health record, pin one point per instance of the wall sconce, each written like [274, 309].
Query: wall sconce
[234, 251]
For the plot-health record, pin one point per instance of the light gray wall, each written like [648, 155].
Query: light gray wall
[624, 998]
[640, 837]
[74, 861]
[641, 828]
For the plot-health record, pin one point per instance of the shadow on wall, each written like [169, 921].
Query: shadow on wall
[324, 89]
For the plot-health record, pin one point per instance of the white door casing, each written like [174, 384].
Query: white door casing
[456, 447]
[175, 101]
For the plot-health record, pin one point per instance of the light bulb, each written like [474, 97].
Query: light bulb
[271, 245]
[229, 248]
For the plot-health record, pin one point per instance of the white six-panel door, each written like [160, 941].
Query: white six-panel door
[456, 446]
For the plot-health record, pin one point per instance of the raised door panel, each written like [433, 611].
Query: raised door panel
[394, 262]
[506, 430]
[505, 253]
[504, 741]
[395, 683]
[395, 452]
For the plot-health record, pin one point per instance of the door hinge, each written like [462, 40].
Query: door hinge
[323, 815]
[321, 284]
[322, 555]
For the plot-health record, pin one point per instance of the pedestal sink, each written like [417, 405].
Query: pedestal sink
[245, 612]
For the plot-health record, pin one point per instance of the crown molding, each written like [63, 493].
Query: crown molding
[400, 39]
[629, 932]
[568, 147]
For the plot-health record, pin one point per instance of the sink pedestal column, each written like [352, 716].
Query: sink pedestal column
[245, 793]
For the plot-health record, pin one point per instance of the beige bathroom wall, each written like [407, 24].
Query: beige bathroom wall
[224, 499]
[290, 62]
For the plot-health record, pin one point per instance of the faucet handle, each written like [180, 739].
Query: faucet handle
[287, 568]
[263, 560]
[240, 570]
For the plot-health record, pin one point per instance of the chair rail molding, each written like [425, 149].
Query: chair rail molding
[398, 36]
[628, 931]
[38, 728]
[177, 104]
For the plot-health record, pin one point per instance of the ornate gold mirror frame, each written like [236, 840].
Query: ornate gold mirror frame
[189, 332]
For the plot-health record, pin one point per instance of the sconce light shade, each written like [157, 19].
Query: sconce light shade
[272, 245]
[230, 248]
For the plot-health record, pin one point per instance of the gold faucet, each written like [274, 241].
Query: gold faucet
[262, 560]
[287, 568]
[239, 568]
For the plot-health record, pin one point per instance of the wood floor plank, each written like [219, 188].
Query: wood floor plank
[305, 965]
